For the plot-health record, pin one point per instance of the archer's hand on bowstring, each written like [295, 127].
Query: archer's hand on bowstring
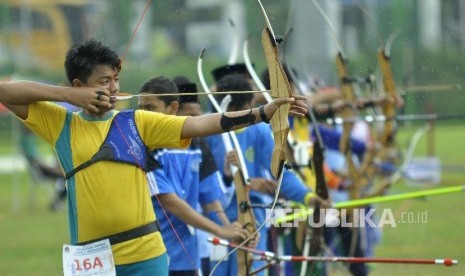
[95, 100]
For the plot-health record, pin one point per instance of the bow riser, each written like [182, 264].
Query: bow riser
[246, 219]
[348, 96]
[317, 233]
[390, 88]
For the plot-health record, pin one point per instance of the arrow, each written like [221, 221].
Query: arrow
[302, 213]
[270, 256]
[408, 117]
[128, 95]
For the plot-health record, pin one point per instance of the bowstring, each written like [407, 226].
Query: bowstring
[133, 35]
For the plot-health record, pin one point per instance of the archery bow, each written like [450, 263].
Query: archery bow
[280, 87]
[241, 180]
[293, 144]
[386, 140]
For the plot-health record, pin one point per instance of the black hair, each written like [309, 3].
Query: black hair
[181, 80]
[222, 71]
[160, 85]
[186, 86]
[82, 59]
[235, 82]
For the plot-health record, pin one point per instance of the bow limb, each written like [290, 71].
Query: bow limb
[292, 143]
[280, 88]
[236, 44]
[385, 183]
[321, 188]
[389, 109]
[241, 182]
[290, 140]
[252, 72]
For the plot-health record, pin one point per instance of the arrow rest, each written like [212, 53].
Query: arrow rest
[244, 206]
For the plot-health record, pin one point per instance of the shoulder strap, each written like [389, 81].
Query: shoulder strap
[123, 144]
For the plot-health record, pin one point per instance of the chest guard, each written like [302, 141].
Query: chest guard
[123, 144]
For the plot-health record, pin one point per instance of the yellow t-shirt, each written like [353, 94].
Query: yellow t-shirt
[107, 197]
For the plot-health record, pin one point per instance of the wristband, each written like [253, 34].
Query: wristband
[263, 117]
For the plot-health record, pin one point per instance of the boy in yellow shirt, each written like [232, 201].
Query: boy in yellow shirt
[103, 155]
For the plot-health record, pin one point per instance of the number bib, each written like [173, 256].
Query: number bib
[91, 259]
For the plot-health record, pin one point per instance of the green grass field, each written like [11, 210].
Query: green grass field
[32, 236]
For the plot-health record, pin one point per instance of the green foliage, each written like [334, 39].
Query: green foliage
[133, 75]
[443, 67]
[32, 235]
[437, 238]
[124, 23]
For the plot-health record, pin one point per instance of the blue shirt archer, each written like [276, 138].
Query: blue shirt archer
[256, 142]
[193, 177]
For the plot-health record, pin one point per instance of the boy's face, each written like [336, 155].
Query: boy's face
[103, 77]
[153, 103]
